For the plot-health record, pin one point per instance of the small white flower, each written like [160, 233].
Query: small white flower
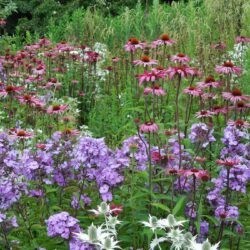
[170, 221]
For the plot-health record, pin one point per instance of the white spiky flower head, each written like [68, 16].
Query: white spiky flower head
[170, 222]
[102, 209]
[206, 245]
[152, 223]
[108, 243]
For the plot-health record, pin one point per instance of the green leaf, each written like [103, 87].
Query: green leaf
[179, 205]
[161, 206]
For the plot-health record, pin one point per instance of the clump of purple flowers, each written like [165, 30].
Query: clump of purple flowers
[62, 225]
[201, 134]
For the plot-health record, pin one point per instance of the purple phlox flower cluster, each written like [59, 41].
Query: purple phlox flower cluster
[100, 163]
[91, 152]
[234, 139]
[227, 212]
[204, 230]
[134, 147]
[190, 210]
[77, 244]
[214, 196]
[11, 190]
[37, 193]
[201, 134]
[77, 203]
[61, 150]
[62, 225]
[8, 222]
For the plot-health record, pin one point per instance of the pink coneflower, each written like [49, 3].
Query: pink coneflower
[53, 83]
[242, 39]
[228, 162]
[193, 91]
[10, 90]
[180, 58]
[44, 42]
[182, 71]
[228, 68]
[198, 173]
[32, 47]
[41, 146]
[30, 100]
[20, 133]
[241, 106]
[57, 108]
[149, 127]
[39, 70]
[151, 76]
[239, 123]
[209, 82]
[115, 59]
[163, 40]
[133, 44]
[70, 132]
[234, 96]
[204, 114]
[91, 56]
[145, 61]
[219, 110]
[155, 90]
[200, 159]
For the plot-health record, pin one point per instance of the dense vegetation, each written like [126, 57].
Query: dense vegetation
[142, 108]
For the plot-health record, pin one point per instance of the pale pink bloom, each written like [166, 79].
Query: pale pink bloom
[209, 82]
[2, 22]
[39, 70]
[57, 108]
[219, 110]
[44, 42]
[133, 44]
[204, 113]
[239, 123]
[242, 39]
[235, 96]
[145, 61]
[32, 47]
[10, 90]
[155, 90]
[206, 96]
[200, 174]
[151, 76]
[20, 133]
[115, 59]
[64, 47]
[192, 90]
[228, 68]
[183, 71]
[30, 100]
[228, 162]
[219, 46]
[149, 127]
[163, 40]
[180, 58]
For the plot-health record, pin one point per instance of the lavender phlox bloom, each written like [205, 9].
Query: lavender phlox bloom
[62, 225]
[201, 134]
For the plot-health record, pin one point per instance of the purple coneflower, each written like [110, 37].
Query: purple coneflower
[228, 68]
[234, 96]
[145, 61]
[180, 58]
[149, 127]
